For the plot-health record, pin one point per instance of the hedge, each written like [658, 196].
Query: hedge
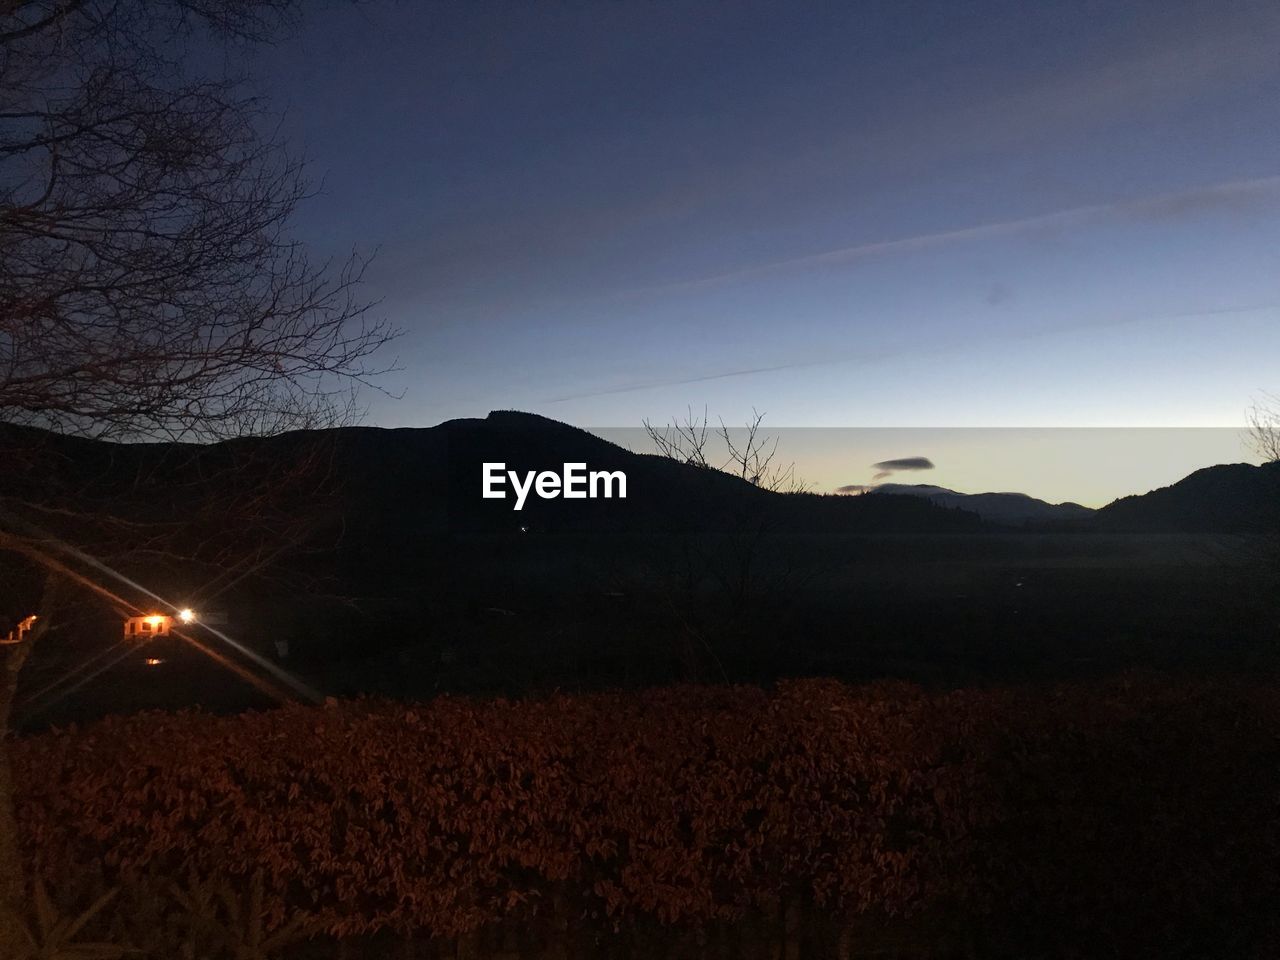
[1139, 809]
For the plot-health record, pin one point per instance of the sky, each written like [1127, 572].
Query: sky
[874, 215]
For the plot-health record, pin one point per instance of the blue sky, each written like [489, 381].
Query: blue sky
[847, 215]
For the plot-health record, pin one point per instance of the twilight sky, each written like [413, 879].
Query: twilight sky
[897, 214]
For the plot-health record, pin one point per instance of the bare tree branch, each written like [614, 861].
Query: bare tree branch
[150, 291]
[684, 441]
[148, 287]
[1264, 427]
[750, 456]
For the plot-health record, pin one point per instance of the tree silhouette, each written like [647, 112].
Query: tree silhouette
[150, 290]
[1264, 427]
[750, 456]
[733, 568]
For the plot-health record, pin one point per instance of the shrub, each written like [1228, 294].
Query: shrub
[1133, 810]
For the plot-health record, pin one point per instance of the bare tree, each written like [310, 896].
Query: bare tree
[149, 287]
[753, 458]
[684, 441]
[1264, 427]
[750, 456]
[149, 290]
[740, 563]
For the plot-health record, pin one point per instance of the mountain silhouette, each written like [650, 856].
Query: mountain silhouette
[394, 495]
[402, 489]
[406, 579]
[1010, 509]
[397, 490]
[1228, 498]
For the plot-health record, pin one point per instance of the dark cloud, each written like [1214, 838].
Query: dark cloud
[886, 468]
[905, 463]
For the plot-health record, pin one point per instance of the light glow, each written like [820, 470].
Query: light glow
[187, 615]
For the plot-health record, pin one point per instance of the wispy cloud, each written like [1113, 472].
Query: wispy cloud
[868, 358]
[1213, 196]
[634, 386]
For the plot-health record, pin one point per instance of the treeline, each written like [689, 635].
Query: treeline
[1138, 816]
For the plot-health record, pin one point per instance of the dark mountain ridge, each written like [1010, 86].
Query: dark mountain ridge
[390, 496]
[406, 580]
[1236, 498]
[1009, 509]
[394, 486]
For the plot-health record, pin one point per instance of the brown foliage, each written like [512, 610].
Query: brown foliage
[1117, 807]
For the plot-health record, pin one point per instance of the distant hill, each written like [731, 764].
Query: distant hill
[396, 495]
[1228, 498]
[402, 489]
[397, 491]
[1010, 509]
[404, 580]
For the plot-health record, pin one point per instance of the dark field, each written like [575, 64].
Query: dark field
[759, 744]
[528, 613]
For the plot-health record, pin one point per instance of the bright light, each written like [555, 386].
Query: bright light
[155, 619]
[154, 661]
[187, 615]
